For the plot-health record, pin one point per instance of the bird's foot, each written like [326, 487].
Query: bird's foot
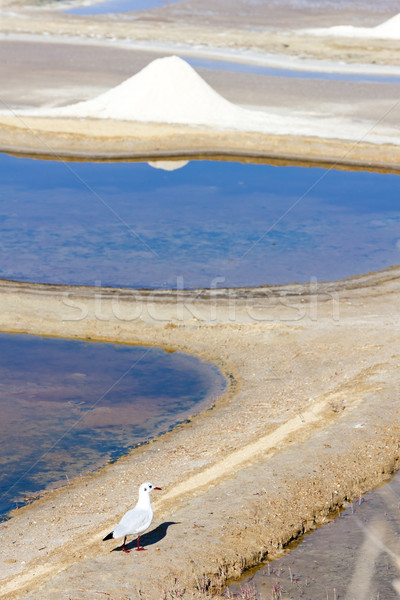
[140, 549]
[125, 550]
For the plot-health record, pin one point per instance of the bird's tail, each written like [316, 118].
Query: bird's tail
[108, 537]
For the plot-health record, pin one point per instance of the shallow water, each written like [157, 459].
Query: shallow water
[69, 406]
[224, 65]
[118, 6]
[208, 224]
[353, 557]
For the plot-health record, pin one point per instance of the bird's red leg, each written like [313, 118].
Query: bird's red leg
[138, 547]
[123, 546]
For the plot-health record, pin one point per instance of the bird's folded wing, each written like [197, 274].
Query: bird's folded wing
[134, 521]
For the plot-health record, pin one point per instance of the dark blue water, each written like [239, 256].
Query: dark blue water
[118, 6]
[69, 406]
[207, 224]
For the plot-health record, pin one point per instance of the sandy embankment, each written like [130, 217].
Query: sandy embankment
[312, 418]
[100, 139]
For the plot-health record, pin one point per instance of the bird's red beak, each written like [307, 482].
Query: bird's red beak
[157, 488]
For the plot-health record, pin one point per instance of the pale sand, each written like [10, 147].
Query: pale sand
[312, 418]
[100, 139]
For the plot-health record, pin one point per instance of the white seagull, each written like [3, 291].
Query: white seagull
[136, 520]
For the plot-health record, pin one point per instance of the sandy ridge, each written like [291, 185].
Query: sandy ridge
[96, 140]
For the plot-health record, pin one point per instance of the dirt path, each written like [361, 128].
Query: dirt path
[311, 418]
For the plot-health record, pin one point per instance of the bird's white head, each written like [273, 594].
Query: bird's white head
[147, 487]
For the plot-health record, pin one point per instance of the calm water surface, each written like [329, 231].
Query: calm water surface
[69, 406]
[224, 65]
[206, 224]
[351, 558]
[118, 6]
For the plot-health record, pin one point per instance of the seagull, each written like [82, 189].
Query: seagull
[136, 520]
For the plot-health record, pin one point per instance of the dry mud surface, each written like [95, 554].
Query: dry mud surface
[311, 418]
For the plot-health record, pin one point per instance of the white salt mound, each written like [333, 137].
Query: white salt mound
[168, 90]
[389, 30]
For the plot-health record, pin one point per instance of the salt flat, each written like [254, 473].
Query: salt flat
[314, 372]
[302, 109]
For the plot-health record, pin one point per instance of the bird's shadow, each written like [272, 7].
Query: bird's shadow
[150, 538]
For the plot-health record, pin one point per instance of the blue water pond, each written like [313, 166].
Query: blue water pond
[208, 224]
[117, 6]
[69, 406]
